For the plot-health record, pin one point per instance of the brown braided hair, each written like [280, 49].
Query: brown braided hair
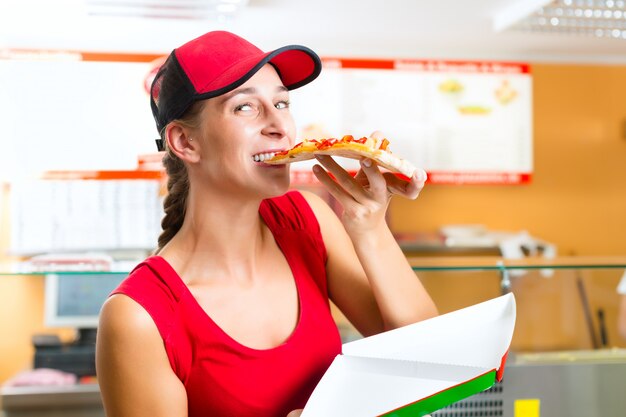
[175, 202]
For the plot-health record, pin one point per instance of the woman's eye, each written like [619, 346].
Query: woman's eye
[283, 104]
[244, 107]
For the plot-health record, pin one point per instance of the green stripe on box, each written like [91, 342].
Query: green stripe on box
[446, 397]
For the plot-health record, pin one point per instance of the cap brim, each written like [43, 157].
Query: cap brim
[296, 66]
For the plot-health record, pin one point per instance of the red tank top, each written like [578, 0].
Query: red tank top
[223, 377]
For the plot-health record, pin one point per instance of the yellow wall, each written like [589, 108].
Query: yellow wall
[577, 199]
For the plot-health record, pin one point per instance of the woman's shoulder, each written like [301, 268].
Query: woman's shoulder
[302, 205]
[318, 205]
[130, 304]
[152, 280]
[125, 326]
[124, 315]
[149, 296]
[290, 211]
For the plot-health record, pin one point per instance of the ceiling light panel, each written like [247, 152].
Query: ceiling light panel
[166, 9]
[599, 18]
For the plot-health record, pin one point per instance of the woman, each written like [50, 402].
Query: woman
[231, 316]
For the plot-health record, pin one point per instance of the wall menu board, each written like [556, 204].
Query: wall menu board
[463, 122]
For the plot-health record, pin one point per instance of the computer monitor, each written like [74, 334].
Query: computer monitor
[74, 299]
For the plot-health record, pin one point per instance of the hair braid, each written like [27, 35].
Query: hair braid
[175, 202]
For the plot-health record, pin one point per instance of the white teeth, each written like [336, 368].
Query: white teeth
[263, 156]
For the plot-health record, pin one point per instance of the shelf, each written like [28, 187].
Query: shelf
[496, 263]
[24, 268]
[465, 263]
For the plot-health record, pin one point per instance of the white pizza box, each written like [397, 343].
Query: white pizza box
[419, 368]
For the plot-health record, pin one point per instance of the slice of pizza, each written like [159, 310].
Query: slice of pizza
[347, 147]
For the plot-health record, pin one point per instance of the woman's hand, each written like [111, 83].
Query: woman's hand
[295, 413]
[366, 196]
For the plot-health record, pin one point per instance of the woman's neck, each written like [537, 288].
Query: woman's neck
[220, 236]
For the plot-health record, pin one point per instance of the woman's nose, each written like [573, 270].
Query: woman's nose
[278, 122]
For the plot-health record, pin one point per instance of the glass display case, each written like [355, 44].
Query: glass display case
[567, 357]
[563, 303]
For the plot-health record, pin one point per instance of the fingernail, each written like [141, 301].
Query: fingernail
[366, 162]
[421, 175]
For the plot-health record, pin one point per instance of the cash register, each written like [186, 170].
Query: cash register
[73, 300]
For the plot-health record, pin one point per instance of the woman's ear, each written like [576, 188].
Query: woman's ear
[182, 144]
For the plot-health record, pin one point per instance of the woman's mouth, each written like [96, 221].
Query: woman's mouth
[264, 156]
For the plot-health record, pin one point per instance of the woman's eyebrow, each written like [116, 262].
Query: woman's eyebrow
[239, 91]
[250, 90]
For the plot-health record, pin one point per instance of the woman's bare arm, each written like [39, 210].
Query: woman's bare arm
[134, 373]
[375, 289]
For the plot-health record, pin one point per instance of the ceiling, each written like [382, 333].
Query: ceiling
[447, 29]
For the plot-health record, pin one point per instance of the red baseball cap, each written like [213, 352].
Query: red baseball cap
[216, 63]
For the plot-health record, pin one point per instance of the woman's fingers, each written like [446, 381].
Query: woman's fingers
[331, 165]
[377, 134]
[375, 179]
[369, 182]
[409, 189]
[352, 186]
[333, 187]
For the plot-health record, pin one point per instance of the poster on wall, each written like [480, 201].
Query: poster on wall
[463, 122]
[85, 214]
